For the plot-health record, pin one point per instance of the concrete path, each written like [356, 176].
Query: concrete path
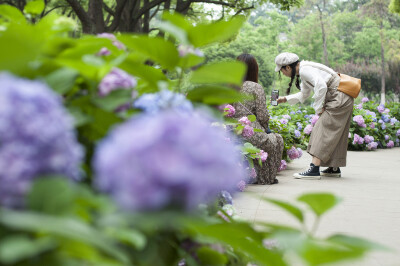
[369, 187]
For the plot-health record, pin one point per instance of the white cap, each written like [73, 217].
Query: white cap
[285, 59]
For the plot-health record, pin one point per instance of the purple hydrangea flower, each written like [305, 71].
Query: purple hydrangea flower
[380, 121]
[393, 121]
[308, 129]
[359, 106]
[372, 125]
[314, 119]
[292, 112]
[283, 121]
[263, 155]
[383, 126]
[372, 145]
[153, 103]
[299, 126]
[390, 144]
[380, 108]
[364, 100]
[293, 153]
[116, 79]
[386, 137]
[297, 133]
[114, 40]
[386, 118]
[357, 139]
[398, 133]
[298, 112]
[359, 120]
[282, 166]
[368, 112]
[368, 139]
[229, 110]
[288, 117]
[103, 52]
[226, 197]
[244, 121]
[247, 132]
[36, 138]
[154, 162]
[386, 111]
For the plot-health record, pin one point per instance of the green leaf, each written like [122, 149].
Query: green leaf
[114, 99]
[129, 236]
[16, 248]
[205, 34]
[290, 208]
[252, 118]
[154, 48]
[209, 256]
[190, 60]
[34, 7]
[179, 34]
[52, 195]
[11, 13]
[221, 72]
[63, 227]
[147, 73]
[79, 117]
[214, 94]
[319, 202]
[62, 80]
[356, 242]
[178, 20]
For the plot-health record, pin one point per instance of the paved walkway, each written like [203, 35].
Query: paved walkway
[370, 188]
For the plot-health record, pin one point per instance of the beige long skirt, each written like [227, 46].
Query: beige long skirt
[329, 138]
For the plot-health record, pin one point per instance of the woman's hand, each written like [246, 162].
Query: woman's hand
[281, 100]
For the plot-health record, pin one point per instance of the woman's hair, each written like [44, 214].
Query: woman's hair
[252, 67]
[293, 75]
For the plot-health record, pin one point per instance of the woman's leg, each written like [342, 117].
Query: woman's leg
[316, 161]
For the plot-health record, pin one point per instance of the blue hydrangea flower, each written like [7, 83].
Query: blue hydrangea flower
[299, 126]
[292, 112]
[168, 160]
[36, 138]
[386, 118]
[165, 99]
[297, 133]
[383, 126]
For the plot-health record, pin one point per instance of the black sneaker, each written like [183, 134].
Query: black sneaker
[331, 171]
[311, 173]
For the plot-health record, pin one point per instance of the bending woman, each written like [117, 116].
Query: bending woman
[271, 143]
[328, 140]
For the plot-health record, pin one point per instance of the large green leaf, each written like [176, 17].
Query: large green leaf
[205, 34]
[63, 227]
[290, 208]
[319, 202]
[178, 20]
[19, 247]
[62, 80]
[150, 74]
[209, 256]
[113, 100]
[214, 94]
[154, 48]
[231, 72]
[34, 7]
[11, 13]
[52, 195]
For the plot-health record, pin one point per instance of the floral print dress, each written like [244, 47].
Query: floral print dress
[271, 143]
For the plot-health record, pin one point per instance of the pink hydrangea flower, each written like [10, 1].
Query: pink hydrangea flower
[300, 152]
[114, 40]
[293, 153]
[386, 137]
[364, 100]
[308, 129]
[263, 155]
[282, 166]
[381, 108]
[241, 185]
[230, 110]
[288, 117]
[103, 52]
[372, 125]
[390, 144]
[116, 79]
[359, 106]
[314, 119]
[247, 132]
[359, 120]
[284, 121]
[368, 139]
[244, 121]
[253, 173]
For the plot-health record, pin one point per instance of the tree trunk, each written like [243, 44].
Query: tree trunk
[82, 16]
[383, 92]
[326, 61]
[146, 19]
[95, 13]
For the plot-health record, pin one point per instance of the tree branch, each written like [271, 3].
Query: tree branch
[108, 9]
[82, 15]
[117, 15]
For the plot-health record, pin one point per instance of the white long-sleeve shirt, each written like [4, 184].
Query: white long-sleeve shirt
[314, 77]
